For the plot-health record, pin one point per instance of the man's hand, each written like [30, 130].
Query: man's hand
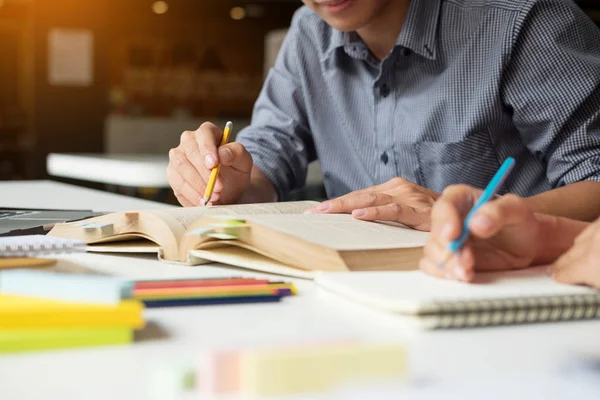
[505, 234]
[397, 200]
[191, 162]
[581, 264]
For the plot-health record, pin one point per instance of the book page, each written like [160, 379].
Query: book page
[343, 232]
[187, 216]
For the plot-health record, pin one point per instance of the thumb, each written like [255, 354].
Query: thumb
[498, 214]
[236, 156]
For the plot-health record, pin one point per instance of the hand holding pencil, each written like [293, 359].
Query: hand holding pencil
[210, 186]
[502, 233]
[204, 154]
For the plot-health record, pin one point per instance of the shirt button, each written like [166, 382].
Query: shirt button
[384, 158]
[385, 90]
[406, 52]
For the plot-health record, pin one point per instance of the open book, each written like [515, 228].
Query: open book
[273, 237]
[495, 298]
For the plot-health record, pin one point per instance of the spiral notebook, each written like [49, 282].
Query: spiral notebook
[499, 298]
[23, 251]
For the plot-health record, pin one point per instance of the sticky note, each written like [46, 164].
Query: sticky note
[297, 370]
[223, 236]
[231, 220]
[200, 232]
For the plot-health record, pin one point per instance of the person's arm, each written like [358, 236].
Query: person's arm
[279, 137]
[551, 83]
[260, 190]
[583, 201]
[556, 236]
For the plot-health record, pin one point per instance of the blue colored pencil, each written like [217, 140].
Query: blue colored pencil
[489, 192]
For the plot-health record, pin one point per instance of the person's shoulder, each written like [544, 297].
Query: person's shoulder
[509, 5]
[310, 31]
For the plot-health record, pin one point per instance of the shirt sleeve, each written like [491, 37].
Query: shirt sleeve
[551, 83]
[279, 137]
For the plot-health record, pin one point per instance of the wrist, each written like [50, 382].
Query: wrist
[556, 235]
[259, 189]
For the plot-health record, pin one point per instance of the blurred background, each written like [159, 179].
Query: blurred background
[126, 77]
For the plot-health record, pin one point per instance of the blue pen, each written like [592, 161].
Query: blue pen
[489, 192]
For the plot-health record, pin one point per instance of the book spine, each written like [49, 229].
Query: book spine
[481, 313]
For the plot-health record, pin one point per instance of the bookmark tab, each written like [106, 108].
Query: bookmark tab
[103, 226]
[230, 219]
[223, 236]
[200, 232]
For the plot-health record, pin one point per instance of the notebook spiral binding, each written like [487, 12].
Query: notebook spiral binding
[37, 245]
[480, 313]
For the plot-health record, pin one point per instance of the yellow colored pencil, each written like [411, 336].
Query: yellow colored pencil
[215, 171]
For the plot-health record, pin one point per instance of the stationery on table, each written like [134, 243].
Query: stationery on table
[110, 290]
[290, 370]
[214, 174]
[28, 324]
[274, 238]
[494, 298]
[489, 192]
[23, 251]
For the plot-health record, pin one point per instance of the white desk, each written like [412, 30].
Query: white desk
[131, 170]
[128, 372]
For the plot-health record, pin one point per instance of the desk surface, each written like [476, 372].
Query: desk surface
[179, 336]
[133, 170]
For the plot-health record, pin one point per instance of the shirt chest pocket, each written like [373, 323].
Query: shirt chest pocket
[472, 161]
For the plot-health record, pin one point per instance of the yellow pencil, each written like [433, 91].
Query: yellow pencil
[215, 171]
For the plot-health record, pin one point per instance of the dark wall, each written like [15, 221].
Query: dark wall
[71, 119]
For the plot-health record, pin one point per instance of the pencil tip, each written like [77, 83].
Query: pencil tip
[442, 264]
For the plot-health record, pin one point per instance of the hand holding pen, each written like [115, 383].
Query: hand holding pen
[472, 230]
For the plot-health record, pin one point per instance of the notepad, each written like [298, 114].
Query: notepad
[499, 298]
[28, 313]
[37, 245]
[17, 340]
[96, 289]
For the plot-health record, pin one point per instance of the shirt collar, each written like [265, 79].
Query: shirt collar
[418, 34]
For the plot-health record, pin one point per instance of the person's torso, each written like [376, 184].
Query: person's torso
[431, 112]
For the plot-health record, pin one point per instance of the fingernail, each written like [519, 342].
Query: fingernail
[447, 231]
[225, 155]
[482, 222]
[460, 273]
[449, 275]
[210, 161]
[201, 201]
[324, 206]
[310, 211]
[359, 213]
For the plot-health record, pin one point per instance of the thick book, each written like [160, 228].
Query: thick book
[495, 298]
[274, 237]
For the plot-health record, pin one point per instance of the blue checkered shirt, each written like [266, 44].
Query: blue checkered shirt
[468, 83]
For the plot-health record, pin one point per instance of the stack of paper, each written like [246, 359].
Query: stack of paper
[32, 319]
[36, 324]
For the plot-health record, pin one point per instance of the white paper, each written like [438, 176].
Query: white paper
[70, 57]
